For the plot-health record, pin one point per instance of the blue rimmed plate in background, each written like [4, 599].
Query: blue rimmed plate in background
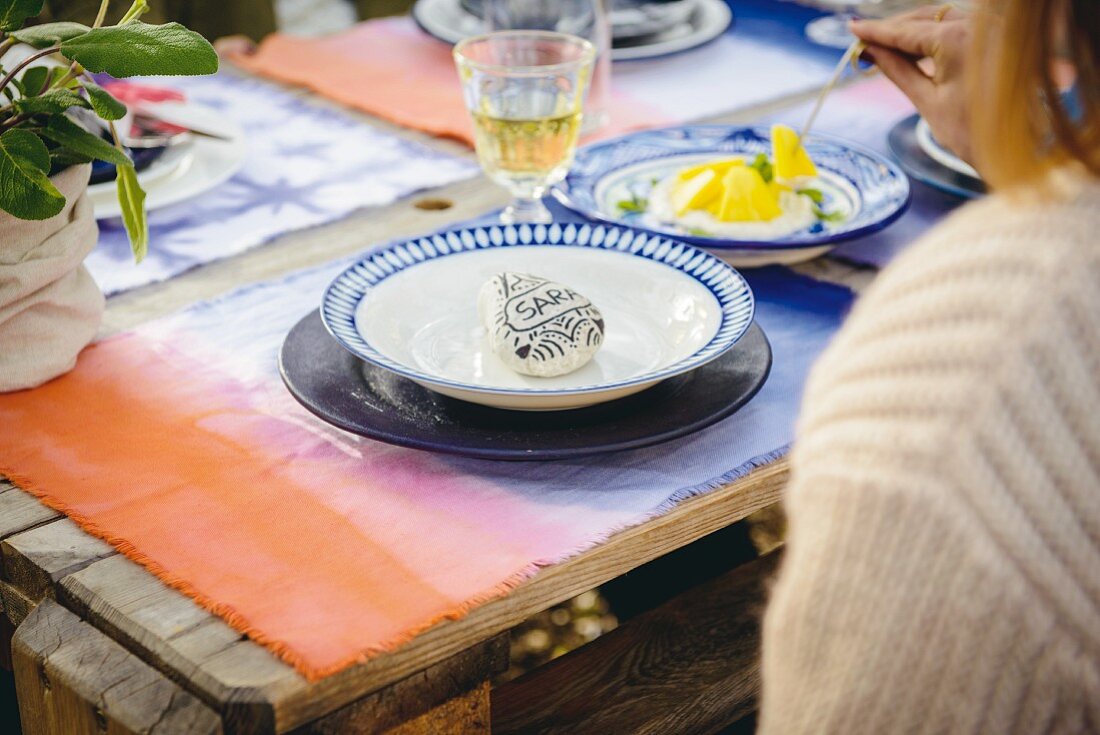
[867, 188]
[184, 171]
[411, 308]
[912, 144]
[692, 24]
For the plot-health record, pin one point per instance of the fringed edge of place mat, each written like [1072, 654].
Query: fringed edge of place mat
[288, 655]
[238, 621]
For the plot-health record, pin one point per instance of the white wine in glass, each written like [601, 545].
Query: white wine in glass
[526, 154]
[525, 91]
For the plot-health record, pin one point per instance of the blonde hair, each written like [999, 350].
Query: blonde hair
[1020, 126]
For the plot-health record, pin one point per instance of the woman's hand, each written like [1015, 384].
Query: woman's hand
[923, 52]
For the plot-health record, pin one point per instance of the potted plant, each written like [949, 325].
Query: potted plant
[49, 306]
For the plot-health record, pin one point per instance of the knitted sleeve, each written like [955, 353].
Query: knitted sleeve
[943, 562]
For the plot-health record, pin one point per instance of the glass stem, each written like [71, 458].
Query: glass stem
[529, 210]
[831, 30]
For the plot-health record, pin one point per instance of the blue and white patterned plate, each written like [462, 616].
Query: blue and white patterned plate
[868, 188]
[411, 308]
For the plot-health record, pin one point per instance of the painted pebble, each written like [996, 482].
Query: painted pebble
[539, 327]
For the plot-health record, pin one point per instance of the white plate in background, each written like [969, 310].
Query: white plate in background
[186, 170]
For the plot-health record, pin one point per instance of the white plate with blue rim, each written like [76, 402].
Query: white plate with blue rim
[612, 181]
[411, 308]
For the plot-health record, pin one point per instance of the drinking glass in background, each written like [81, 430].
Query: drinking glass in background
[588, 19]
[832, 30]
[525, 91]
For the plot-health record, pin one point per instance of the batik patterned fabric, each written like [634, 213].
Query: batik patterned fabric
[306, 165]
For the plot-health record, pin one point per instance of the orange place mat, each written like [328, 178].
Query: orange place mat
[392, 70]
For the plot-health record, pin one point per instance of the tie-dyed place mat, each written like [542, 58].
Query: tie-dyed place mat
[213, 477]
[305, 165]
[864, 113]
[392, 69]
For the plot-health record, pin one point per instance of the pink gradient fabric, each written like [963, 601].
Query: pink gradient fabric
[178, 444]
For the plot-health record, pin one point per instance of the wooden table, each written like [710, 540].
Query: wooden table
[100, 645]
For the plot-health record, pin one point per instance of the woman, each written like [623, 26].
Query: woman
[943, 565]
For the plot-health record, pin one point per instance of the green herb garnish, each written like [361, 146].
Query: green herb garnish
[828, 216]
[634, 205]
[815, 195]
[762, 164]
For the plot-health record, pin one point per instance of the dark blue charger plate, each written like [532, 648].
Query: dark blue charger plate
[371, 401]
[902, 139]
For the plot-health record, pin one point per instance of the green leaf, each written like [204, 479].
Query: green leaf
[764, 166]
[35, 78]
[50, 34]
[132, 201]
[140, 48]
[66, 132]
[25, 190]
[52, 102]
[14, 12]
[62, 158]
[699, 232]
[104, 104]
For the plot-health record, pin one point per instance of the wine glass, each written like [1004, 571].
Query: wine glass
[525, 92]
[588, 19]
[832, 30]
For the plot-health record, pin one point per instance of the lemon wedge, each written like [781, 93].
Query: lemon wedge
[747, 197]
[719, 167]
[696, 192]
[790, 158]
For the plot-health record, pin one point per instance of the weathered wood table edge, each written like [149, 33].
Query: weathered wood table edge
[58, 581]
[82, 578]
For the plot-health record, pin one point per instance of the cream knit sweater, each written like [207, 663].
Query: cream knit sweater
[943, 564]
